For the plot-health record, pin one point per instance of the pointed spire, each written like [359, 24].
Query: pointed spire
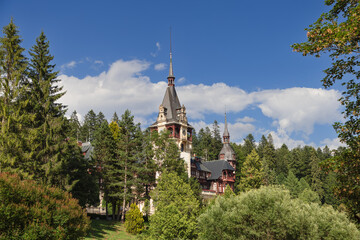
[226, 135]
[171, 77]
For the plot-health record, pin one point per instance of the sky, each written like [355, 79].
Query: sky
[232, 56]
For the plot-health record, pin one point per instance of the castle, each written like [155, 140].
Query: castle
[213, 176]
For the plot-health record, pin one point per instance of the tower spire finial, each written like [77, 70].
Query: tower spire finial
[171, 76]
[226, 134]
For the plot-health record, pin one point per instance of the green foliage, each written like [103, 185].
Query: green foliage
[12, 88]
[176, 209]
[336, 33]
[134, 222]
[207, 143]
[292, 184]
[228, 192]
[167, 155]
[252, 173]
[270, 213]
[309, 196]
[32, 211]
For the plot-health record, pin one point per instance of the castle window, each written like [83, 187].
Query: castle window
[182, 147]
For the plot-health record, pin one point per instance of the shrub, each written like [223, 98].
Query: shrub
[134, 221]
[270, 213]
[33, 211]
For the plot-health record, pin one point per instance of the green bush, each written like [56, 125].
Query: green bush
[270, 213]
[134, 221]
[32, 211]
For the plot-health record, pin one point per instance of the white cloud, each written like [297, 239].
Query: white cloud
[158, 48]
[123, 86]
[203, 99]
[299, 109]
[71, 64]
[332, 143]
[160, 66]
[245, 119]
[181, 80]
[98, 62]
[238, 131]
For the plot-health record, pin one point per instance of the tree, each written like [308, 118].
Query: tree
[12, 88]
[134, 220]
[29, 210]
[176, 209]
[128, 153]
[249, 144]
[252, 173]
[74, 126]
[216, 143]
[104, 158]
[167, 155]
[89, 126]
[250, 215]
[292, 184]
[49, 125]
[337, 32]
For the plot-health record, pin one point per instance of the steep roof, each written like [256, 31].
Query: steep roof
[171, 103]
[216, 167]
[228, 152]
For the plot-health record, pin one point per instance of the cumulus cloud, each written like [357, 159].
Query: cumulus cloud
[160, 66]
[299, 109]
[124, 86]
[121, 87]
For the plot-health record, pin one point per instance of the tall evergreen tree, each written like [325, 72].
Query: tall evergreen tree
[216, 143]
[88, 127]
[50, 127]
[105, 158]
[74, 126]
[249, 144]
[12, 88]
[129, 151]
[252, 172]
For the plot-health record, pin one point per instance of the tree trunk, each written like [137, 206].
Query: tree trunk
[106, 210]
[125, 186]
[113, 210]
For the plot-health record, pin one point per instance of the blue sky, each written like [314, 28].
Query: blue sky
[114, 55]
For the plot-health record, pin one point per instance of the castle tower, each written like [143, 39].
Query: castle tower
[172, 117]
[227, 153]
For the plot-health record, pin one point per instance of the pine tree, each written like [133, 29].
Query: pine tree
[252, 172]
[292, 184]
[74, 126]
[129, 150]
[316, 182]
[49, 125]
[249, 144]
[269, 161]
[104, 157]
[12, 89]
[88, 127]
[216, 143]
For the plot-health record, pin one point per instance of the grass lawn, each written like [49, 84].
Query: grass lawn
[102, 229]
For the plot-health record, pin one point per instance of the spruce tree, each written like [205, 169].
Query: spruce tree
[49, 125]
[128, 153]
[74, 123]
[252, 172]
[104, 157]
[88, 127]
[13, 139]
